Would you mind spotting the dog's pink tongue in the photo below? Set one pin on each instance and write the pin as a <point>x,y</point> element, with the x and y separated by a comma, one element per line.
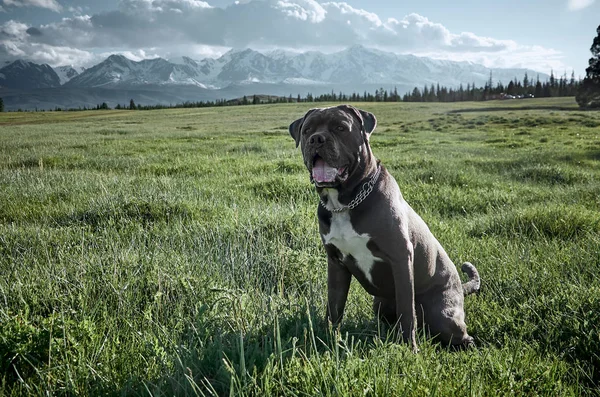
<point>323,172</point>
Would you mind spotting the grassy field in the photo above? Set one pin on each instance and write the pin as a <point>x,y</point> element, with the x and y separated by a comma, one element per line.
<point>176,252</point>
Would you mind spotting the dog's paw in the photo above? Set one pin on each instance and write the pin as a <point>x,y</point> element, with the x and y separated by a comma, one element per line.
<point>467,344</point>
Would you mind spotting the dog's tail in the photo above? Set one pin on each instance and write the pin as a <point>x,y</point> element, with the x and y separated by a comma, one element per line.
<point>474,282</point>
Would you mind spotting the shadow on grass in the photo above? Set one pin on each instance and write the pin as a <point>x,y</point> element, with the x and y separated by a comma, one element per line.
<point>212,361</point>
<point>238,363</point>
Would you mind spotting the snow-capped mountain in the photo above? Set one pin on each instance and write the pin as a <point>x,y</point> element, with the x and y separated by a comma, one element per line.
<point>119,71</point>
<point>66,73</point>
<point>237,73</point>
<point>28,75</point>
<point>352,67</point>
<point>250,66</point>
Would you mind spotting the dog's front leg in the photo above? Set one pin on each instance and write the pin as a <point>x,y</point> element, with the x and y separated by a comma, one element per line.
<point>338,284</point>
<point>404,282</point>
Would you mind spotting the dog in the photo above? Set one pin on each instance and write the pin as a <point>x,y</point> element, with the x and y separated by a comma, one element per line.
<point>370,232</point>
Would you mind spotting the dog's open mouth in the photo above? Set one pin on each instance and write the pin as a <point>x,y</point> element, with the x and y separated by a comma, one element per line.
<point>324,174</point>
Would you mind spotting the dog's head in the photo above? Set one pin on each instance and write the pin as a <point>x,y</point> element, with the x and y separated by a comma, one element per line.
<point>333,142</point>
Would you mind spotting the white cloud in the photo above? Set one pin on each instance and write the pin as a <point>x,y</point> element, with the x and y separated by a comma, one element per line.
<point>305,10</point>
<point>15,44</point>
<point>575,5</point>
<point>49,4</point>
<point>536,58</point>
<point>171,28</point>
<point>13,30</point>
<point>76,10</point>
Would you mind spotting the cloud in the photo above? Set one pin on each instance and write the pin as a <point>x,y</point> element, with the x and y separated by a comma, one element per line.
<point>304,10</point>
<point>536,58</point>
<point>49,4</point>
<point>15,43</point>
<point>283,23</point>
<point>76,10</point>
<point>576,5</point>
<point>195,28</point>
<point>33,32</point>
<point>13,30</point>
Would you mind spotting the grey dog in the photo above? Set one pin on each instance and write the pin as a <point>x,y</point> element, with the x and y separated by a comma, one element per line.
<point>370,232</point>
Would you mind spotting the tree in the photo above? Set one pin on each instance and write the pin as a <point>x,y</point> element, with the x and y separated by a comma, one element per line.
<point>588,95</point>
<point>1,105</point>
<point>416,95</point>
<point>132,105</point>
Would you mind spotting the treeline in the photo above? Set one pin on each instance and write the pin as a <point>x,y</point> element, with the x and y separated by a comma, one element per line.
<point>525,88</point>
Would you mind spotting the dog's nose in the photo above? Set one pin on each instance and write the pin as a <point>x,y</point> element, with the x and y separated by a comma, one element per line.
<point>317,139</point>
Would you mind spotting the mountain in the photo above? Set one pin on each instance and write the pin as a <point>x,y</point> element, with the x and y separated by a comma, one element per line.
<point>66,73</point>
<point>119,71</point>
<point>237,73</point>
<point>249,66</point>
<point>353,67</point>
<point>28,75</point>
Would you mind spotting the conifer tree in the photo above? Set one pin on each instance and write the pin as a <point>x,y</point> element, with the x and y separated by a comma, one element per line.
<point>588,95</point>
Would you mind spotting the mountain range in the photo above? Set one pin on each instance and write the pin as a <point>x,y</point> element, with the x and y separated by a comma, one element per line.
<point>238,72</point>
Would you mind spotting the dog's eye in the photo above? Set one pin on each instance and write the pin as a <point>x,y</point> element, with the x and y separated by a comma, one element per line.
<point>340,128</point>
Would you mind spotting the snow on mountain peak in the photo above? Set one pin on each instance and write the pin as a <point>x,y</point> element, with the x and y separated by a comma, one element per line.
<point>352,66</point>
<point>66,73</point>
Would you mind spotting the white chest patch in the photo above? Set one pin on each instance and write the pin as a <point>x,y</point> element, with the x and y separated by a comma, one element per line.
<point>343,236</point>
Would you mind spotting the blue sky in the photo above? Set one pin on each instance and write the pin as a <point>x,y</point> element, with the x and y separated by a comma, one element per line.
<point>538,34</point>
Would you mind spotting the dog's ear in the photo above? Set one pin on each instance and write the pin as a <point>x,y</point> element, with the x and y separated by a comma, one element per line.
<point>367,119</point>
<point>296,126</point>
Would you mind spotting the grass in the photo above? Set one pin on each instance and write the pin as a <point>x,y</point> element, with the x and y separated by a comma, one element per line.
<point>176,252</point>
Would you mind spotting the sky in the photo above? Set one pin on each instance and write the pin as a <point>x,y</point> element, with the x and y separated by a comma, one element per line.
<point>542,35</point>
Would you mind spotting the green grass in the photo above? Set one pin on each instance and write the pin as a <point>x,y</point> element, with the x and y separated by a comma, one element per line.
<point>176,252</point>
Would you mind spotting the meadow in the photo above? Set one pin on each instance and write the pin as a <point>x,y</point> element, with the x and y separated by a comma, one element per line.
<point>176,252</point>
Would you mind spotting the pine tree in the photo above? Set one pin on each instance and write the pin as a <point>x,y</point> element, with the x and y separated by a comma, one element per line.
<point>1,105</point>
<point>510,90</point>
<point>416,95</point>
<point>132,105</point>
<point>588,94</point>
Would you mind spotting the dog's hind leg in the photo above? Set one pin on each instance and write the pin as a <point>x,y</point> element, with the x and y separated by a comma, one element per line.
<point>444,317</point>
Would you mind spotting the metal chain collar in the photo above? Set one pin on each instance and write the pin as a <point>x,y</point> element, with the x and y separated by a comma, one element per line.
<point>366,189</point>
